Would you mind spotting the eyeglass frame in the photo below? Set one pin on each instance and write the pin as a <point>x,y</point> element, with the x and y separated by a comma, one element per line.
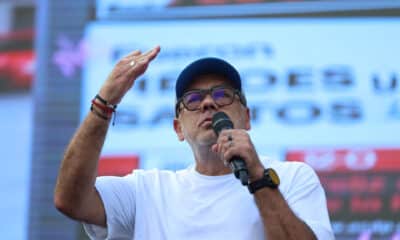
<point>242,98</point>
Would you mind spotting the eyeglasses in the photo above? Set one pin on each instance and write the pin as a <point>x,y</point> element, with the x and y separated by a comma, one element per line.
<point>221,95</point>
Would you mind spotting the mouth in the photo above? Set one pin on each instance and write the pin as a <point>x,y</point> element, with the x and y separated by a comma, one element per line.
<point>207,122</point>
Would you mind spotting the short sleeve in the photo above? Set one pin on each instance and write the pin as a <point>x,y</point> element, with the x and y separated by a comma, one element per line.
<point>118,196</point>
<point>306,198</point>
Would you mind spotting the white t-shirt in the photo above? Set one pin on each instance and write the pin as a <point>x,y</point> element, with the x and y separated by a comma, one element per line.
<point>167,205</point>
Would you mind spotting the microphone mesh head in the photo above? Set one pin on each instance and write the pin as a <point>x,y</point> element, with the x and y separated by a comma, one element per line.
<point>221,121</point>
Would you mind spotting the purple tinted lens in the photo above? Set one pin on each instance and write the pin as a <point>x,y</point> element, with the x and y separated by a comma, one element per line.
<point>217,94</point>
<point>222,96</point>
<point>192,99</point>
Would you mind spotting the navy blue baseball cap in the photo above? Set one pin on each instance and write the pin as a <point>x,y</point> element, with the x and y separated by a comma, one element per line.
<point>203,66</point>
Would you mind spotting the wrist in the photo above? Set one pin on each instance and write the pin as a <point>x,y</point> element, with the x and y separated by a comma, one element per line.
<point>102,108</point>
<point>109,97</point>
<point>99,113</point>
<point>269,180</point>
<point>256,174</point>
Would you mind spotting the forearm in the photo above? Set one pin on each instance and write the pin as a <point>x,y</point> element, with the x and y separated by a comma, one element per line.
<point>279,220</point>
<point>78,169</point>
<point>75,194</point>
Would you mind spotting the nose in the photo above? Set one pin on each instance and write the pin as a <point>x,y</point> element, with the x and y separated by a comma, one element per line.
<point>208,103</point>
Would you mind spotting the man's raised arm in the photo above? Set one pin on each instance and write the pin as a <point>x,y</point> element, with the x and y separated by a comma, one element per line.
<point>75,194</point>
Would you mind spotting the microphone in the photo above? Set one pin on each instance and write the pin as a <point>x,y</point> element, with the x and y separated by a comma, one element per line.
<point>221,121</point>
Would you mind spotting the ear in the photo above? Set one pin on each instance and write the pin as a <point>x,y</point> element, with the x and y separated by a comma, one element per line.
<point>247,119</point>
<point>178,129</point>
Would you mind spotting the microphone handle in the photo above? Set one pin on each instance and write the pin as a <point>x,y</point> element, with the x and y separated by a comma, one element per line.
<point>239,168</point>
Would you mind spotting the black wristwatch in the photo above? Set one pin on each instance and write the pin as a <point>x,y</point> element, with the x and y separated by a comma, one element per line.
<point>270,179</point>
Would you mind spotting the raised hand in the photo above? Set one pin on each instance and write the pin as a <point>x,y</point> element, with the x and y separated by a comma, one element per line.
<point>125,73</point>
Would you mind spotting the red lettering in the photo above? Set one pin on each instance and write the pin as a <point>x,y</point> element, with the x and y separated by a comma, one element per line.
<point>334,204</point>
<point>365,204</point>
<point>210,2</point>
<point>358,184</point>
<point>338,185</point>
<point>395,203</point>
<point>377,184</point>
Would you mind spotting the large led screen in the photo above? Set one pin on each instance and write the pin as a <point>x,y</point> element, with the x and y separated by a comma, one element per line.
<point>322,91</point>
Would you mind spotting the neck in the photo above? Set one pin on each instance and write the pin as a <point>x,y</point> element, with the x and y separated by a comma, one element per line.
<point>208,162</point>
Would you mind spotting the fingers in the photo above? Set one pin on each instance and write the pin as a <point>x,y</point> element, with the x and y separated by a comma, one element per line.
<point>137,55</point>
<point>137,67</point>
<point>232,143</point>
<point>127,62</point>
<point>237,143</point>
<point>131,55</point>
<point>137,63</point>
<point>144,59</point>
<point>151,54</point>
<point>136,52</point>
<point>148,56</point>
<point>224,142</point>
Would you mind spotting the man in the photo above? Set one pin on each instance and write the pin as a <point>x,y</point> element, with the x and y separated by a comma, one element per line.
<point>204,201</point>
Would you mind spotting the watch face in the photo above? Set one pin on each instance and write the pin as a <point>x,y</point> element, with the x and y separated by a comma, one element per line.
<point>274,176</point>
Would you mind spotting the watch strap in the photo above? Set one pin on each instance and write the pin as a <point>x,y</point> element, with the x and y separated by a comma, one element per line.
<point>265,181</point>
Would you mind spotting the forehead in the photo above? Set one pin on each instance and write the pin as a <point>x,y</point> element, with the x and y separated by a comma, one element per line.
<point>208,81</point>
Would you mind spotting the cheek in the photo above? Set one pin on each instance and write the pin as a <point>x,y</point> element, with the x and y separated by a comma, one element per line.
<point>188,126</point>
<point>241,119</point>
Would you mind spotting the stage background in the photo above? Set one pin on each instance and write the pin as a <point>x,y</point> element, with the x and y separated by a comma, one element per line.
<point>323,91</point>
<point>321,77</point>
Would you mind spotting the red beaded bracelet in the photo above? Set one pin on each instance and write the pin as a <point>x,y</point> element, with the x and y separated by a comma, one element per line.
<point>105,102</point>
<point>106,107</point>
<point>97,113</point>
<point>107,110</point>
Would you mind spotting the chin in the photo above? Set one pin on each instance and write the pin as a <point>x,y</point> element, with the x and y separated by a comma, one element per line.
<point>207,138</point>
